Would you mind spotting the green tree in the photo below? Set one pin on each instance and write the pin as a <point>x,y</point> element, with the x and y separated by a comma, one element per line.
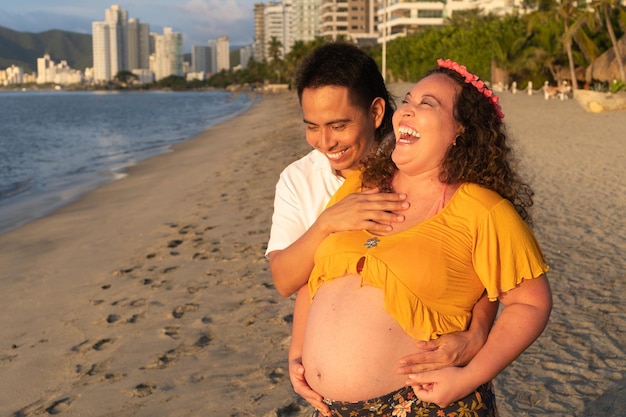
<point>275,49</point>
<point>299,50</point>
<point>573,17</point>
<point>125,78</point>
<point>275,52</point>
<point>173,82</point>
<point>545,49</point>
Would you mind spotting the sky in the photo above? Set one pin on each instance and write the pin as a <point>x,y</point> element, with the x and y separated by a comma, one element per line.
<point>198,20</point>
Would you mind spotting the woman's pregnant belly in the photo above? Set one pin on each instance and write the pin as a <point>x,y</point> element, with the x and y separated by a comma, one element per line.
<point>352,345</point>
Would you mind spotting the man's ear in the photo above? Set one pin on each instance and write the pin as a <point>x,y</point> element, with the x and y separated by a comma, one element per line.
<point>377,110</point>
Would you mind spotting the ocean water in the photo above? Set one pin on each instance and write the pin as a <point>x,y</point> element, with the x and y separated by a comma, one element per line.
<point>55,145</point>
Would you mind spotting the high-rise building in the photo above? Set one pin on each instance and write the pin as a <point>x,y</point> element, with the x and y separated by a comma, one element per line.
<point>361,21</point>
<point>334,19</point>
<point>402,18</point>
<point>245,54</point>
<point>138,35</point>
<point>168,54</point>
<point>306,20</point>
<point>258,51</point>
<point>278,21</point>
<point>221,53</point>
<point>44,65</point>
<point>119,44</point>
<point>201,59</point>
<point>109,51</point>
<point>352,20</point>
<point>273,22</point>
<point>61,73</point>
<point>14,75</point>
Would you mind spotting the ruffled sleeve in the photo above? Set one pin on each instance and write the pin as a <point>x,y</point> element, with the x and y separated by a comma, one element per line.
<point>506,251</point>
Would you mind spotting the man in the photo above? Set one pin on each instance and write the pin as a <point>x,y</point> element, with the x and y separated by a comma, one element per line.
<point>347,112</point>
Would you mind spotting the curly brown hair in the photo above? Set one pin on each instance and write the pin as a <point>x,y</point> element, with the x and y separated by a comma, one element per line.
<point>481,154</point>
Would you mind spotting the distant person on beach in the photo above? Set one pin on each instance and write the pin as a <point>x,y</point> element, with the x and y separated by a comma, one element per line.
<point>467,231</point>
<point>347,111</point>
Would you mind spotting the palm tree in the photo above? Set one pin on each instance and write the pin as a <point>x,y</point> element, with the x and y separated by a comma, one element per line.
<point>275,52</point>
<point>510,43</point>
<point>275,49</point>
<point>574,17</point>
<point>604,7</point>
<point>299,50</point>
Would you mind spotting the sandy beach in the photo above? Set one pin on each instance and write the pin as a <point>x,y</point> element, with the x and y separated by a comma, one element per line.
<point>151,296</point>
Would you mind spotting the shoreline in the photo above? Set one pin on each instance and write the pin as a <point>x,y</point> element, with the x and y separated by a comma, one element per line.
<point>22,201</point>
<point>151,295</point>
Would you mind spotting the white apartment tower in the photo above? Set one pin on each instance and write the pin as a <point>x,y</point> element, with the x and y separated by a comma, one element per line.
<point>278,24</point>
<point>306,19</point>
<point>118,44</point>
<point>353,20</point>
<point>273,20</point>
<point>168,54</point>
<point>334,19</point>
<point>402,18</point>
<point>44,66</point>
<point>220,53</point>
<point>288,21</point>
<point>109,52</point>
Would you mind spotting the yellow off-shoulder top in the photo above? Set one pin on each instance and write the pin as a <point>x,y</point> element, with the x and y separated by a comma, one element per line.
<point>433,274</point>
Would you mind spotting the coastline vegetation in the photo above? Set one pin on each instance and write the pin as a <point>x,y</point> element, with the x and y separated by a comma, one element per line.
<point>556,42</point>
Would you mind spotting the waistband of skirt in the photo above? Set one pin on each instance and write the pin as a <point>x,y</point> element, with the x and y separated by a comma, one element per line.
<point>373,403</point>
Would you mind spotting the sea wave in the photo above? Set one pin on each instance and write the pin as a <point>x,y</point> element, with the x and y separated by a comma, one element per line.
<point>15,188</point>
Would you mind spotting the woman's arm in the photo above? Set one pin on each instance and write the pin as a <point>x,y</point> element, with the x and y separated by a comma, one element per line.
<point>524,317</point>
<point>296,370</point>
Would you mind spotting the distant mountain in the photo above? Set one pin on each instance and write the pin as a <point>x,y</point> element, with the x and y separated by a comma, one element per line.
<point>23,48</point>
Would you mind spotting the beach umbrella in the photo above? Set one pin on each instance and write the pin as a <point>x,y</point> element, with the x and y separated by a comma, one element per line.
<point>563,73</point>
<point>605,68</point>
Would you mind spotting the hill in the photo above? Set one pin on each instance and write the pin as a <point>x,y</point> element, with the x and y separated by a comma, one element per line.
<point>23,48</point>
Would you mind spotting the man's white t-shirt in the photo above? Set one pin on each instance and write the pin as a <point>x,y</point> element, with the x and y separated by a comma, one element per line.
<point>302,192</point>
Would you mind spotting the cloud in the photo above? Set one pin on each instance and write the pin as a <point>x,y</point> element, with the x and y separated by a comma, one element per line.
<point>210,19</point>
<point>223,11</point>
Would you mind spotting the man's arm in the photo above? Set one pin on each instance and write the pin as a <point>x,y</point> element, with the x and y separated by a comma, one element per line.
<point>525,315</point>
<point>453,349</point>
<point>290,267</point>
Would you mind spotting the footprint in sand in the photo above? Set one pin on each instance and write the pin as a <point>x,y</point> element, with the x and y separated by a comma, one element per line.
<point>171,331</point>
<point>143,390</point>
<point>46,407</point>
<point>168,358</point>
<point>180,311</point>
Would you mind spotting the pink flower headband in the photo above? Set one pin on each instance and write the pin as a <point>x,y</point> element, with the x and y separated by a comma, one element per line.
<point>473,80</point>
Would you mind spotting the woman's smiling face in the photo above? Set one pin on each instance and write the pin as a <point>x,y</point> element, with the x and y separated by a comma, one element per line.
<point>425,126</point>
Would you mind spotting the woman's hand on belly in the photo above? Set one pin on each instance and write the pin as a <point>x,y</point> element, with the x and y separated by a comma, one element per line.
<point>352,345</point>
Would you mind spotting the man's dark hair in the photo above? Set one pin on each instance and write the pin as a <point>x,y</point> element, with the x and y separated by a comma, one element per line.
<point>345,65</point>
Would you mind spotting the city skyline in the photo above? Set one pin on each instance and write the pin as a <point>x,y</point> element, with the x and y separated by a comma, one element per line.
<point>198,20</point>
